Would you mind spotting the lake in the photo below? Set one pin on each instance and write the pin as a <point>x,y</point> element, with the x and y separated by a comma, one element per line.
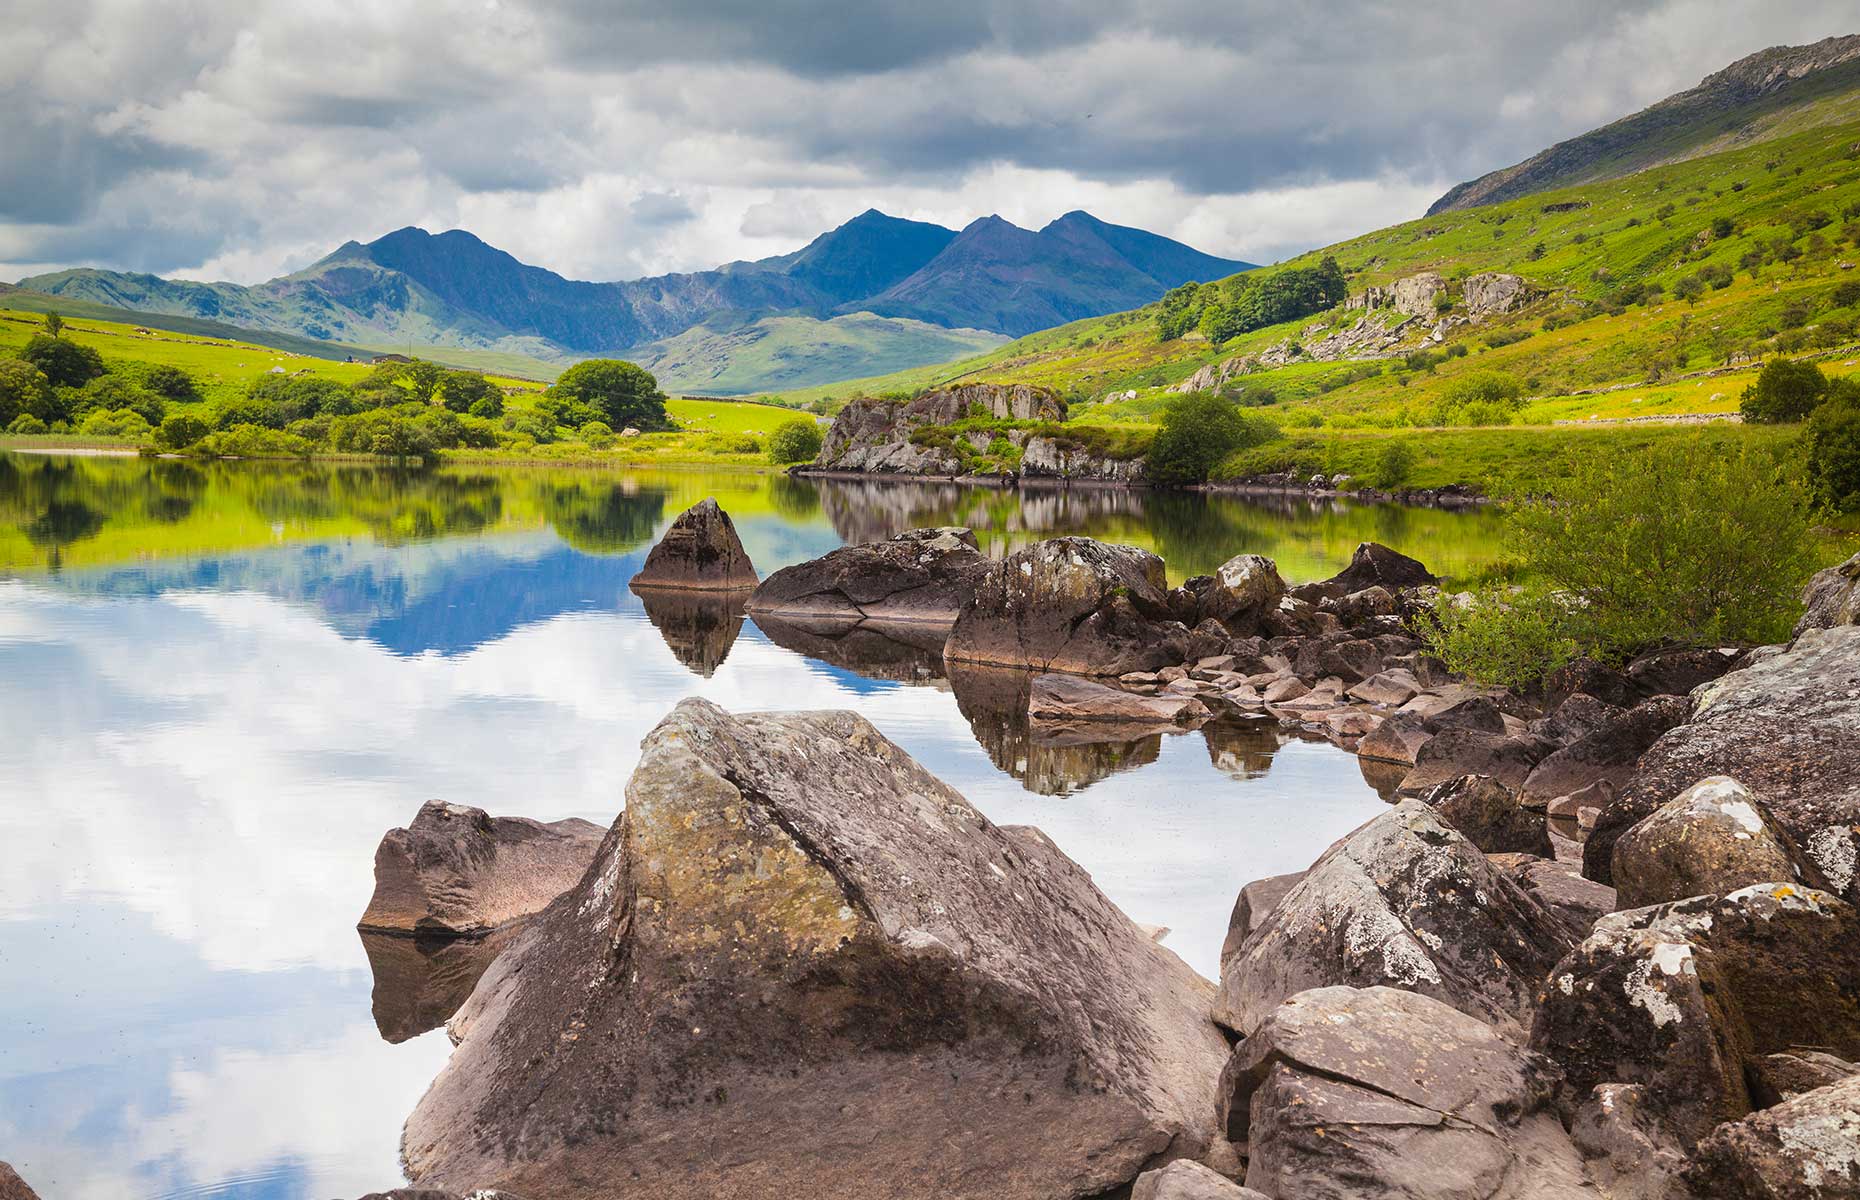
<point>224,682</point>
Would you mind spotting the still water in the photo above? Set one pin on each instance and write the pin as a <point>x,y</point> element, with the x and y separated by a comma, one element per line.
<point>219,685</point>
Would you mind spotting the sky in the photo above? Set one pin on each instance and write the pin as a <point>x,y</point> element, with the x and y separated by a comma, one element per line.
<point>609,139</point>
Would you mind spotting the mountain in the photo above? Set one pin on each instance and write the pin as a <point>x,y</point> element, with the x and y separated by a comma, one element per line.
<point>727,355</point>
<point>1768,94</point>
<point>417,290</point>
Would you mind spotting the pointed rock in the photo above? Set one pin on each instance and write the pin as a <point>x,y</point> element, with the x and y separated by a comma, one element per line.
<point>700,552</point>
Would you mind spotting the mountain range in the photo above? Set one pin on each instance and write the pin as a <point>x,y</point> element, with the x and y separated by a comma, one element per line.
<point>932,294</point>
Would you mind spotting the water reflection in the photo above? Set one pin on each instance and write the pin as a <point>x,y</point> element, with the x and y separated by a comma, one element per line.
<point>224,682</point>
<point>698,628</point>
<point>420,982</point>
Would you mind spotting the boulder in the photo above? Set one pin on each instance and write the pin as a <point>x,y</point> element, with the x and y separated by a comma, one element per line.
<point>1806,1148</point>
<point>1381,1094</point>
<point>1683,998</point>
<point>1559,887</point>
<point>872,435</point>
<point>1628,1153</point>
<point>1352,660</point>
<point>1575,718</point>
<point>1391,689</point>
<point>1587,675</point>
<point>1398,739</point>
<point>1489,815</point>
<point>1714,837</point>
<point>1677,672</point>
<point>1414,295</point>
<point>1375,565</point>
<point>1245,588</point>
<point>1358,608</point>
<point>1831,598</point>
<point>1605,755</point>
<point>12,1187</point>
<point>700,552</point>
<point>1054,458</point>
<point>1404,901</point>
<point>1076,605</point>
<point>1474,712</point>
<point>1255,903</point>
<point>1786,727</point>
<point>1494,293</point>
<point>803,966</point>
<point>1454,752</point>
<point>1777,1077</point>
<point>1186,1180</point>
<point>1073,698</point>
<point>459,872</point>
<point>921,575</point>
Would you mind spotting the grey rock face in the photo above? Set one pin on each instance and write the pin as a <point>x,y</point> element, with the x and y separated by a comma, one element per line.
<point>1832,598</point>
<point>1251,908</point>
<point>1714,837</point>
<point>1049,458</point>
<point>921,575</point>
<point>1455,752</point>
<point>1405,901</point>
<point>1489,815</point>
<point>1605,755</point>
<point>1682,998</point>
<point>1628,1153</point>
<point>1381,1094</point>
<point>1560,887</point>
<point>1494,293</point>
<point>801,965</point>
<point>1787,728</point>
<point>874,435</point>
<point>700,552</point>
<point>1806,1148</point>
<point>1414,295</point>
<point>459,872</point>
<point>1075,605</point>
<point>1245,588</point>
<point>1185,1180</point>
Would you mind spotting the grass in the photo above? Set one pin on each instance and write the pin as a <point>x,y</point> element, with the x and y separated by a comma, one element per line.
<point>726,356</point>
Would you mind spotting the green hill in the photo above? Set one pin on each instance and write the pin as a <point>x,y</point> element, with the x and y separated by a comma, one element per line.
<point>733,356</point>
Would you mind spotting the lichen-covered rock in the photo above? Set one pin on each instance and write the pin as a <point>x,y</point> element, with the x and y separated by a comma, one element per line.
<point>1454,752</point>
<point>1351,659</point>
<point>1186,1180</point>
<point>1559,887</point>
<point>1629,1155</point>
<point>921,575</point>
<point>1050,458</point>
<point>1490,816</point>
<point>1494,293</point>
<point>1414,295</point>
<point>803,966</point>
<point>12,1187</point>
<point>1075,605</point>
<point>1245,588</point>
<point>1579,715</point>
<point>1777,1077</point>
<point>1786,727</point>
<point>700,552</point>
<point>1404,901</point>
<point>1831,598</point>
<point>1251,908</point>
<point>1680,998</point>
<point>1806,1148</point>
<point>1605,755</point>
<point>1714,837</point>
<point>459,872</point>
<point>1380,1094</point>
<point>873,436</point>
<point>1375,565</point>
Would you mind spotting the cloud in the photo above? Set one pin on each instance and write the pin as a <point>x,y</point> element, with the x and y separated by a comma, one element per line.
<point>608,140</point>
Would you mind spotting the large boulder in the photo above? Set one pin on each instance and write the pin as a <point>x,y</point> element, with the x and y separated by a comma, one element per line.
<point>1414,295</point>
<point>1786,727</point>
<point>1714,837</point>
<point>1375,565</point>
<point>1245,589</point>
<point>1076,605</point>
<point>921,575</point>
<point>801,965</point>
<point>1607,754</point>
<point>1806,1148</point>
<point>700,552</point>
<point>1678,672</point>
<point>1559,887</point>
<point>1251,908</point>
<point>1494,293</point>
<point>1185,1179</point>
<point>1831,598</point>
<point>1684,998</point>
<point>12,1187</point>
<point>1404,901</point>
<point>1490,816</point>
<point>459,872</point>
<point>874,436</point>
<point>1454,752</point>
<point>1381,1094</point>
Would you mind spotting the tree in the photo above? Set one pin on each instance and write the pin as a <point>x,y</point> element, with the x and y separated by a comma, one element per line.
<point>1394,464</point>
<point>1785,391</point>
<point>795,441</point>
<point>113,393</point>
<point>181,431</point>
<point>461,390</point>
<point>423,379</point>
<point>1197,431</point>
<point>65,364</point>
<point>1832,444</point>
<point>621,393</point>
<point>23,389</point>
<point>53,323</point>
<point>171,383</point>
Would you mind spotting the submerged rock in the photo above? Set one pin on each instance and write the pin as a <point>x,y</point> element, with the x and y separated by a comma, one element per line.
<point>1404,901</point>
<point>921,575</point>
<point>1381,1094</point>
<point>699,552</point>
<point>1075,605</point>
<point>1712,838</point>
<point>905,652</point>
<point>801,965</point>
<point>459,872</point>
<point>1806,1148</point>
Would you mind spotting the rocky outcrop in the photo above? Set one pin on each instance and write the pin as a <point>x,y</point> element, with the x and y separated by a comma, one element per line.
<point>1052,458</point>
<point>1494,293</point>
<point>920,576</point>
<point>12,1187</point>
<point>801,965</point>
<point>459,872</point>
<point>1375,565</point>
<point>1831,598</point>
<point>874,435</point>
<point>699,553</point>
<point>1806,1148</point>
<point>1074,605</point>
<point>1683,998</point>
<point>1714,837</point>
<point>1414,295</point>
<point>1607,754</point>
<point>1186,1180</point>
<point>1405,901</point>
<point>1073,699</point>
<point>1490,816</point>
<point>1380,1094</point>
<point>1788,728</point>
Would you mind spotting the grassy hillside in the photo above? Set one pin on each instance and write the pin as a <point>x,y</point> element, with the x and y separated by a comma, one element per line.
<point>1773,224</point>
<point>735,357</point>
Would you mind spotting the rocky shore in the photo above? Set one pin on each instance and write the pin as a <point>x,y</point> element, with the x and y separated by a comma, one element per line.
<point>1602,944</point>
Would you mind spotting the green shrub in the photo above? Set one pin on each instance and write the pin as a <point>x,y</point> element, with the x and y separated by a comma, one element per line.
<point>597,434</point>
<point>380,432</point>
<point>122,423</point>
<point>64,362</point>
<point>1784,391</point>
<point>251,441</point>
<point>1499,637</point>
<point>488,408</point>
<point>1832,443</point>
<point>795,441</point>
<point>108,393</point>
<point>180,431</point>
<point>1394,465</point>
<point>171,383</point>
<point>26,424</point>
<point>1196,432</point>
<point>461,391</point>
<point>23,389</point>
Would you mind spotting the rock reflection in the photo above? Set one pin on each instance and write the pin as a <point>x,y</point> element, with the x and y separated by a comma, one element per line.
<point>421,982</point>
<point>1048,761</point>
<point>901,653</point>
<point>699,627</point>
<point>1382,776</point>
<point>1243,749</point>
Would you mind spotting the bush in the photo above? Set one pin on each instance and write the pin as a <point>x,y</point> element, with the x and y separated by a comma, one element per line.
<point>1394,465</point>
<point>620,393</point>
<point>1832,443</point>
<point>1499,637</point>
<point>171,383</point>
<point>379,432</point>
<point>488,408</point>
<point>462,390</point>
<point>64,362</point>
<point>181,431</point>
<point>1846,294</point>
<point>1479,398</point>
<point>25,424</point>
<point>120,423</point>
<point>1784,391</point>
<point>1690,544</point>
<point>1196,432</point>
<point>795,441</point>
<point>597,434</point>
<point>251,441</point>
<point>108,393</point>
<point>23,389</point>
